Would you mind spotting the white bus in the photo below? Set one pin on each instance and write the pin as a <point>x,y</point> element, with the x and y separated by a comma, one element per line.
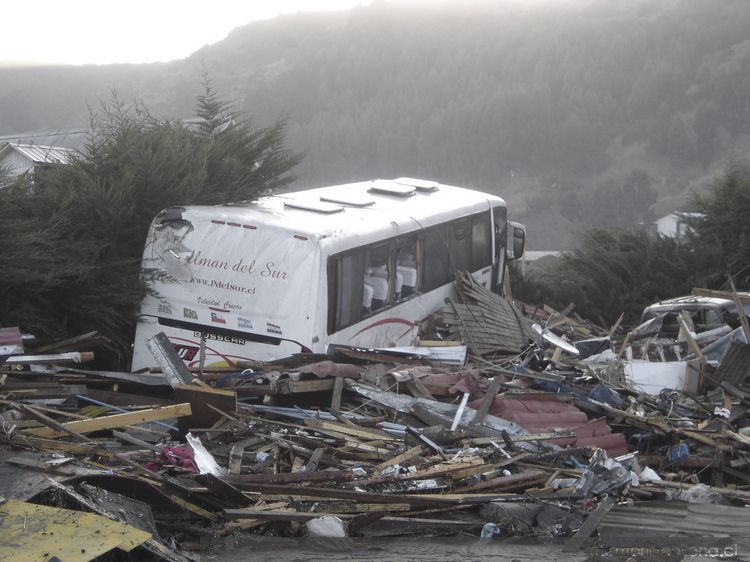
<point>361,264</point>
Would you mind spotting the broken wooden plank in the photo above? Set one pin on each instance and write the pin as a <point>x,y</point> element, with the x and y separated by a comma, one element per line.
<point>123,436</point>
<point>288,386</point>
<point>204,404</point>
<point>71,344</point>
<point>196,509</point>
<point>293,490</point>
<point>303,517</point>
<point>338,387</point>
<point>52,426</point>
<point>452,470</point>
<point>224,489</point>
<point>291,477</point>
<point>355,507</point>
<point>114,421</point>
<point>512,482</point>
<point>684,320</point>
<point>404,457</point>
<point>589,526</point>
<point>489,396</point>
<point>354,430</point>
<point>701,292</point>
<point>235,458</point>
<point>81,448</point>
<point>312,464</point>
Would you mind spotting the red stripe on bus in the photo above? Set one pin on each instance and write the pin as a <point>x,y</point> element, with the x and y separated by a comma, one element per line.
<point>386,321</point>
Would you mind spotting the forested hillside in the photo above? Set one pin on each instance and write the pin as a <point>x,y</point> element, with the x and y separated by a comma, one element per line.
<point>598,113</point>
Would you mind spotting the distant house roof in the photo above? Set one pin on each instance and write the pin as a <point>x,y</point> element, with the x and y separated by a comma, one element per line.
<point>19,159</point>
<point>38,153</point>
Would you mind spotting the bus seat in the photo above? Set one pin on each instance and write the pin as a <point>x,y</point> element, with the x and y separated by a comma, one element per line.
<point>399,284</point>
<point>409,276</point>
<point>379,290</point>
<point>378,271</point>
<point>367,299</point>
<point>406,259</point>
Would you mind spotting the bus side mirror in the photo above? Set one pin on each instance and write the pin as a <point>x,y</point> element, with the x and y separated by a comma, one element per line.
<point>516,240</point>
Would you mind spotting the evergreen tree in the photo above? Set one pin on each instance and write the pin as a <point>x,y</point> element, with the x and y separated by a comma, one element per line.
<point>725,225</point>
<point>73,238</point>
<point>615,271</point>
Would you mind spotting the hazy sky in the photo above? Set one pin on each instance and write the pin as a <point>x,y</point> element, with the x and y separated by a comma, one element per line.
<point>135,31</point>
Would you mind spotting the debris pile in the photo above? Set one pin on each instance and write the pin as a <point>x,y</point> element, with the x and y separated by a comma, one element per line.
<point>459,436</point>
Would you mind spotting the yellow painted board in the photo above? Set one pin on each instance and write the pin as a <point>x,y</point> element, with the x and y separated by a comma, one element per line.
<point>30,533</point>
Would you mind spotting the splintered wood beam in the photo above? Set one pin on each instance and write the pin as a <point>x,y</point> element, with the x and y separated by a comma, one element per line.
<point>521,480</point>
<point>684,319</point>
<point>114,421</point>
<point>355,430</point>
<point>589,526</point>
<point>453,471</point>
<point>312,464</point>
<point>489,396</point>
<point>291,477</point>
<point>224,489</point>
<point>338,387</point>
<point>402,458</point>
<point>208,405</point>
<point>91,448</point>
<point>294,490</point>
<point>50,424</point>
<point>700,292</point>
<point>616,325</point>
<point>235,458</point>
<point>196,509</point>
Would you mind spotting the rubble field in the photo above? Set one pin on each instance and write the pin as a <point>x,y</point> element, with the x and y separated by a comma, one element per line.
<point>509,432</point>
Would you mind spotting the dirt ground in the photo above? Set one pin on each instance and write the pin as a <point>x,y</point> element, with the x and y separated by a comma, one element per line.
<point>445,549</point>
<point>416,549</point>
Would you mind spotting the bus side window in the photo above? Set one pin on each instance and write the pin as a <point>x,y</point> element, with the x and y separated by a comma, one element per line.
<point>461,245</point>
<point>351,296</point>
<point>481,242</point>
<point>377,275</point>
<point>406,268</point>
<point>436,262</point>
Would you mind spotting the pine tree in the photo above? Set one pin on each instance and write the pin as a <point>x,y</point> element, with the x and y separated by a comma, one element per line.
<point>72,239</point>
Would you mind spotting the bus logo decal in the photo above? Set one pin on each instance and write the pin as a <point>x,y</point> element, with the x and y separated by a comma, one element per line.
<point>186,352</point>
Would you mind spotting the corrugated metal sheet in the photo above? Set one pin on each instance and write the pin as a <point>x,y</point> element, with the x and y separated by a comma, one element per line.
<point>483,320</point>
<point>674,519</point>
<point>41,154</point>
<point>735,366</point>
<point>539,413</point>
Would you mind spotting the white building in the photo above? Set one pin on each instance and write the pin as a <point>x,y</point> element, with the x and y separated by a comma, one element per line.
<point>19,158</point>
<point>676,224</point>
